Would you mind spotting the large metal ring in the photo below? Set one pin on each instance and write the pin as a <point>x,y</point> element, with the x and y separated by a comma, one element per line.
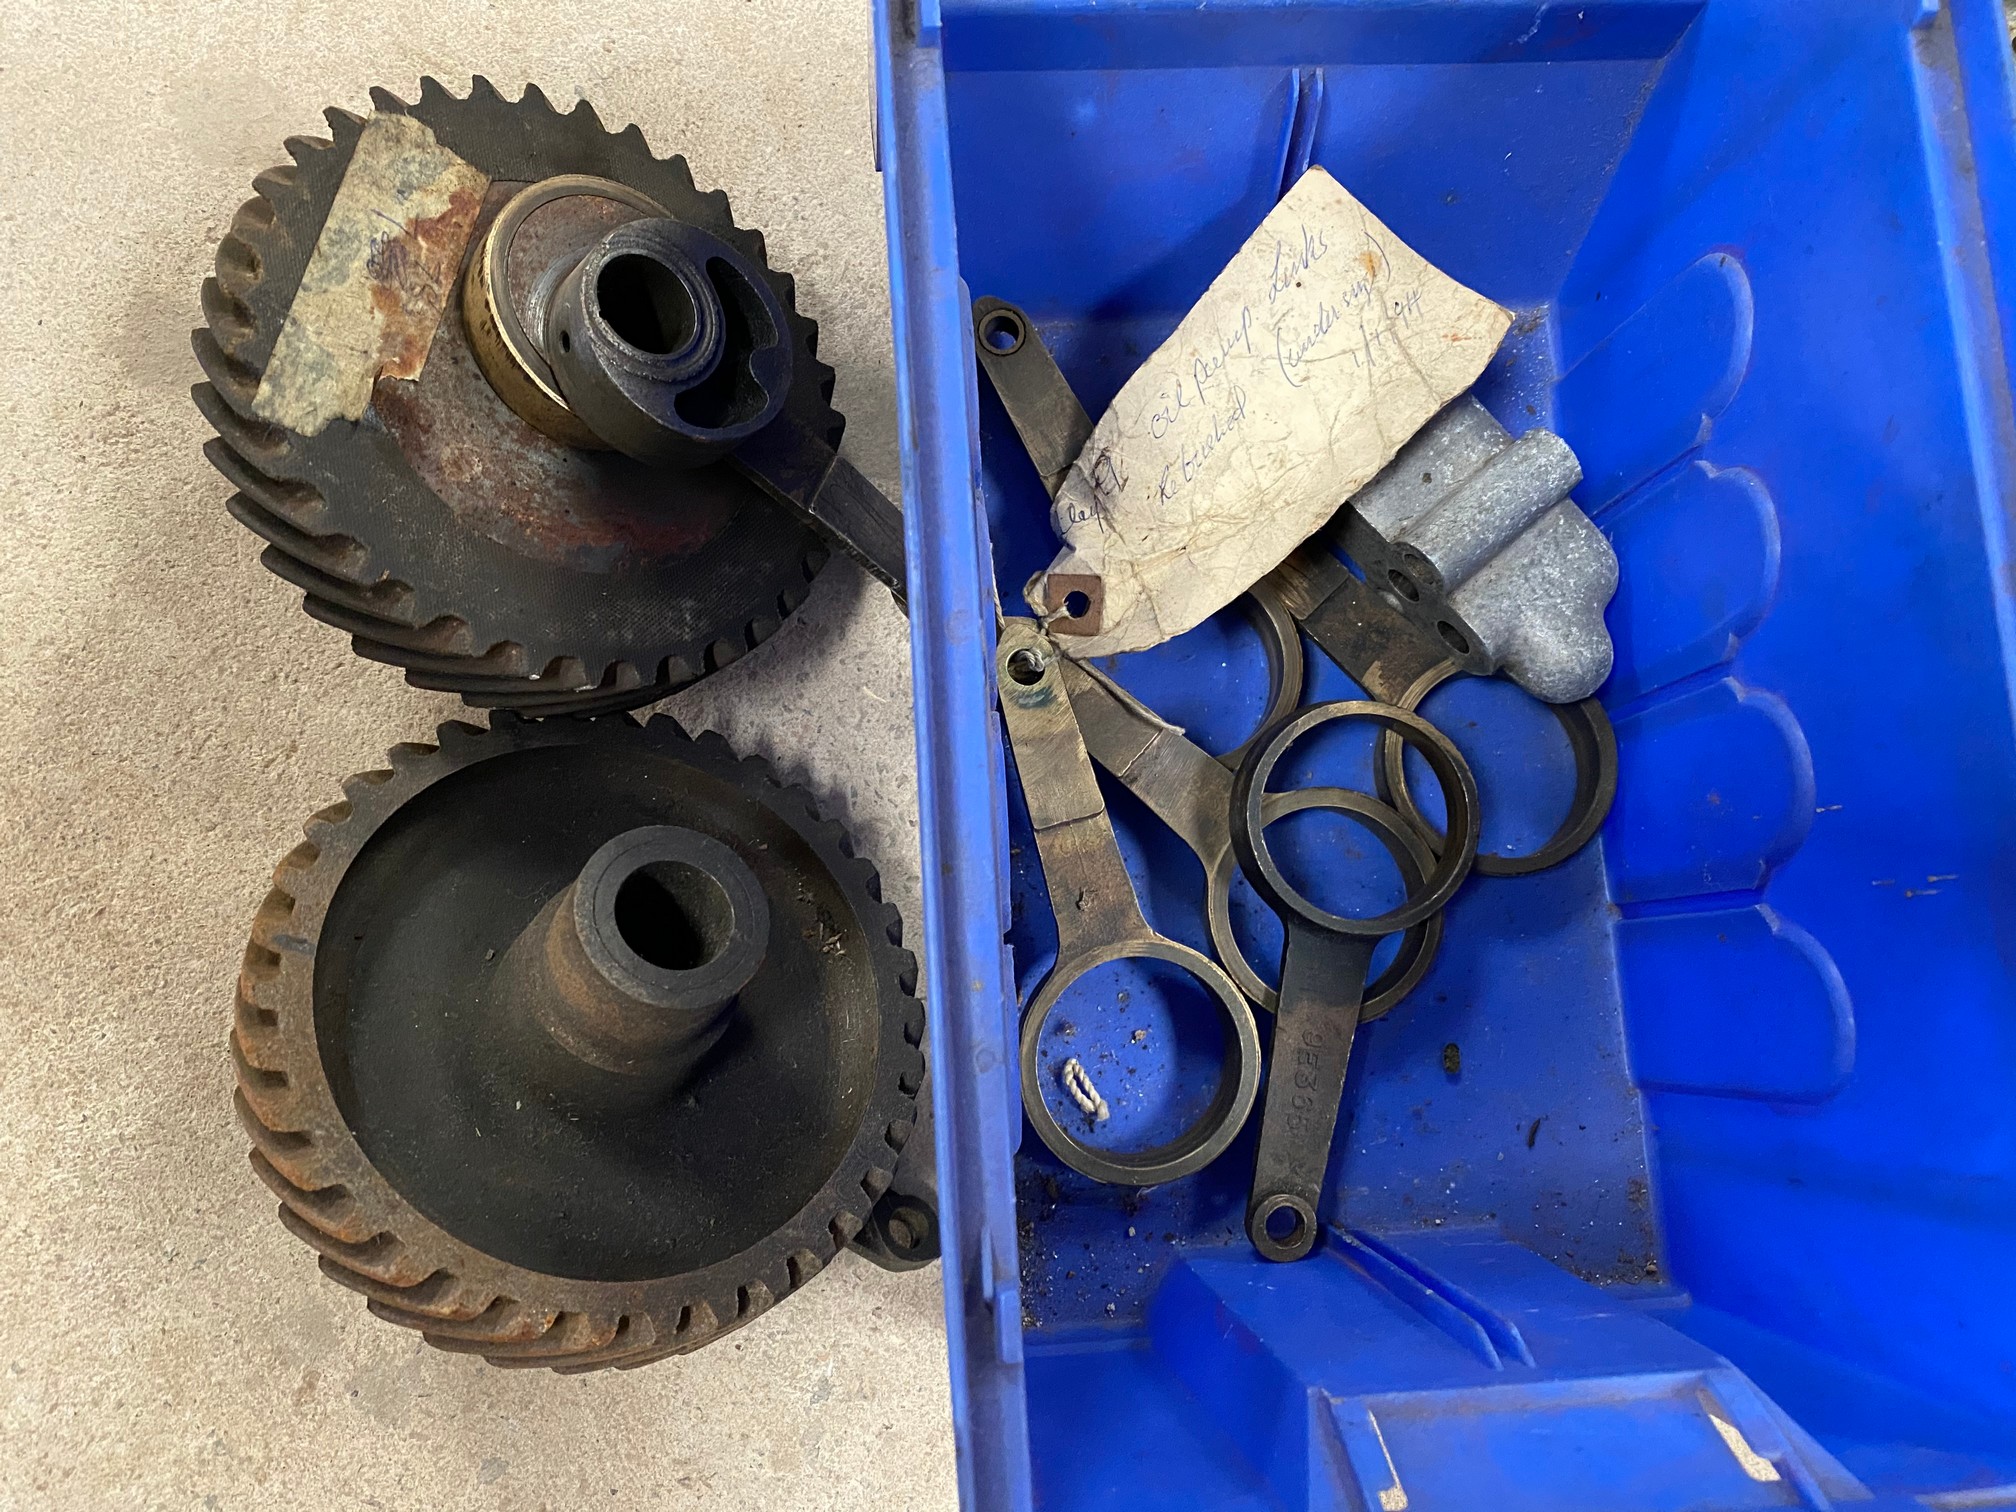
<point>1410,853</point>
<point>1589,736</point>
<point>1249,825</point>
<point>1206,1138</point>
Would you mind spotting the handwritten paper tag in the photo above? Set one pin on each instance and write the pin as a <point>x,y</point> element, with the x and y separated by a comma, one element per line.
<point>1320,349</point>
<point>379,278</point>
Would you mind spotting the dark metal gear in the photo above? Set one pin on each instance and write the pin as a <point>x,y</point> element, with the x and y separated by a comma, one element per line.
<point>466,1039</point>
<point>446,534</point>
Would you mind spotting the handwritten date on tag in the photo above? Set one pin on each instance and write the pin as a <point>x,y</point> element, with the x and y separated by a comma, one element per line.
<point>1320,349</point>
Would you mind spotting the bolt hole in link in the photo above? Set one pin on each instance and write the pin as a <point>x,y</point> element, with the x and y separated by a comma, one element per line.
<point>1286,1229</point>
<point>1077,603</point>
<point>1403,585</point>
<point>1453,638</point>
<point>1003,332</point>
<point>1027,667</point>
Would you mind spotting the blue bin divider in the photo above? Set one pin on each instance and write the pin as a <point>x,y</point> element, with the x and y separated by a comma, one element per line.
<point>1718,1208</point>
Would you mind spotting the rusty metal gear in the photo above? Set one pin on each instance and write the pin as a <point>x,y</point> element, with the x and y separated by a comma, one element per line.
<point>420,1135</point>
<point>447,535</point>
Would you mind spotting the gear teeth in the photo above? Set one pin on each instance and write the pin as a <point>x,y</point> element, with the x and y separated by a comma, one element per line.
<point>358,789</point>
<point>233,382</point>
<point>574,1333</point>
<point>238,261</point>
<point>334,556</point>
<point>535,97</point>
<point>385,605</point>
<point>480,90</point>
<point>332,817</point>
<point>439,1296</point>
<point>678,165</point>
<point>410,756</point>
<point>302,148</point>
<point>457,735</point>
<point>504,1321</point>
<point>631,1351</point>
<point>383,1257</point>
<point>263,445</point>
<point>279,182</point>
<point>299,505</point>
<point>446,638</point>
<point>344,126</point>
<point>499,666</point>
<point>293,1155</point>
<point>229,319</point>
<point>330,1210</point>
<point>635,1335</point>
<point>255,1047</point>
<point>383,99</point>
<point>265,1091</point>
<point>584,114</point>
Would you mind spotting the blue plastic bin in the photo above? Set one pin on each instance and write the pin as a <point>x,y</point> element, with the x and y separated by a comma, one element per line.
<point>1719,1209</point>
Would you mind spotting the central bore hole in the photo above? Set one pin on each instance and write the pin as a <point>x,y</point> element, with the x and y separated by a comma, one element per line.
<point>674,915</point>
<point>645,303</point>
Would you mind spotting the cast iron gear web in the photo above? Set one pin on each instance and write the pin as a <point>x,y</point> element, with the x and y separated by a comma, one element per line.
<point>473,1174</point>
<point>446,534</point>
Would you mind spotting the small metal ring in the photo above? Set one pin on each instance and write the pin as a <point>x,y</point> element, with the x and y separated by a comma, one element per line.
<point>1286,667</point>
<point>1590,737</point>
<point>1459,788</point>
<point>1205,1140</point>
<point>1410,853</point>
<point>1297,1242</point>
<point>1006,318</point>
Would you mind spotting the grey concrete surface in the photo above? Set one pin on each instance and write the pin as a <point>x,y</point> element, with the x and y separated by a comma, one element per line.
<point>174,718</point>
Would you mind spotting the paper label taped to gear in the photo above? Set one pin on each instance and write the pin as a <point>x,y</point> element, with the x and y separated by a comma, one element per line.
<point>378,279</point>
<point>1320,349</point>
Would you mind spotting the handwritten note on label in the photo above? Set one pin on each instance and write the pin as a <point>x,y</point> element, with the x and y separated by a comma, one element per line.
<point>1320,349</point>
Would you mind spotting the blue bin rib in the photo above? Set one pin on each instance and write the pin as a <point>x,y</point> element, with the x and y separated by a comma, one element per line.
<point>1720,1208</point>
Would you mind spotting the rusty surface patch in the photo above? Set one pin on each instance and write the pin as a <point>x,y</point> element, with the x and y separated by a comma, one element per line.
<point>372,295</point>
<point>505,479</point>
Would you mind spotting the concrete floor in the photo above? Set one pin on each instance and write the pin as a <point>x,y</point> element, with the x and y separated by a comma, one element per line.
<point>163,1344</point>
